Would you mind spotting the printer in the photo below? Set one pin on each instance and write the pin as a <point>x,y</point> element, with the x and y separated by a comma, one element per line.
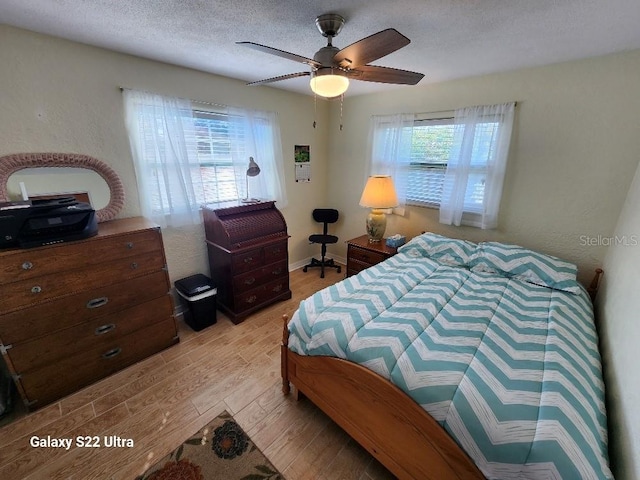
<point>45,222</point>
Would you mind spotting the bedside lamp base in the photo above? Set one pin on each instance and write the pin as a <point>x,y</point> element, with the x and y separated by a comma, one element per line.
<point>376,225</point>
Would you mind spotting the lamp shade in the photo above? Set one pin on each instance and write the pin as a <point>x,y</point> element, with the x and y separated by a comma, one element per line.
<point>253,169</point>
<point>379,192</point>
<point>329,83</point>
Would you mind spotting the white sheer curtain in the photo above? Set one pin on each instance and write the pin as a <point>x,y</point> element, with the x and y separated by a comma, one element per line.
<point>390,151</point>
<point>475,171</point>
<point>163,145</point>
<point>256,134</point>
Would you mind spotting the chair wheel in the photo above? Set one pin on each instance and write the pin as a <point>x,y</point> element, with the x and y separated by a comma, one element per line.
<point>339,269</point>
<point>322,275</point>
<point>304,269</point>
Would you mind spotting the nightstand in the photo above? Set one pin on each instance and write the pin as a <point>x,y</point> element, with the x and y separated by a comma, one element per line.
<point>361,254</point>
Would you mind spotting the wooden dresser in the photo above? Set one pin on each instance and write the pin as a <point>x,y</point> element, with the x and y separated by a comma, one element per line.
<point>362,254</point>
<point>248,256</point>
<point>75,312</point>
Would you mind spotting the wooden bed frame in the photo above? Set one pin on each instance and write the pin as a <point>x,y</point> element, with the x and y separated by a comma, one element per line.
<point>377,414</point>
<point>388,423</point>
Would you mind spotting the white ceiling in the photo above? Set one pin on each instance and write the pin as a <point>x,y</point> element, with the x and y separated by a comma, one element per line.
<point>449,38</point>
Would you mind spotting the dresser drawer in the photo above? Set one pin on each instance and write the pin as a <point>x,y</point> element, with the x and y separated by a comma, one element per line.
<point>32,263</point>
<point>74,372</point>
<point>365,256</point>
<point>98,333</point>
<point>66,312</point>
<point>249,280</point>
<point>28,292</point>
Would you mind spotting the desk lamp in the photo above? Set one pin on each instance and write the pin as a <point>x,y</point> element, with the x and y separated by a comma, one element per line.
<point>252,171</point>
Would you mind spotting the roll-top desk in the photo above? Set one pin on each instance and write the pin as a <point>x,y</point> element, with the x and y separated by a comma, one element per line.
<point>73,313</point>
<point>248,256</point>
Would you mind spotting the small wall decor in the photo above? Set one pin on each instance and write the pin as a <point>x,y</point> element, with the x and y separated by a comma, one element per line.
<point>10,164</point>
<point>302,159</point>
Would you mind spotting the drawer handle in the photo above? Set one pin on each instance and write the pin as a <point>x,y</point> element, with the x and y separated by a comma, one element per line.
<point>251,299</point>
<point>248,260</point>
<point>36,289</point>
<point>277,288</point>
<point>129,245</point>
<point>276,272</point>
<point>250,281</point>
<point>97,302</point>
<point>134,265</point>
<point>111,353</point>
<point>101,330</point>
<point>27,266</point>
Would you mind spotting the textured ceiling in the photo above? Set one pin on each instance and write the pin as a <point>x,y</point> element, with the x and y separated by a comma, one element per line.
<point>449,38</point>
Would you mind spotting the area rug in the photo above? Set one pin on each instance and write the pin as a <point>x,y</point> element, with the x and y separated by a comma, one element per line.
<point>221,450</point>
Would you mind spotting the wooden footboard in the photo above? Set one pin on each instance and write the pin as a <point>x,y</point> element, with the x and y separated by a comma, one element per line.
<point>378,415</point>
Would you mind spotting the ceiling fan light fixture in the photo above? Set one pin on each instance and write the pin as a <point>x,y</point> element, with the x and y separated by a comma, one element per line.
<point>329,82</point>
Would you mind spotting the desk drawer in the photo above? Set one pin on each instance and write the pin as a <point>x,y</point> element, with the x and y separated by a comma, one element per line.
<point>32,263</point>
<point>254,278</point>
<point>97,333</point>
<point>37,290</point>
<point>243,262</point>
<point>275,252</point>
<point>256,297</point>
<point>74,372</point>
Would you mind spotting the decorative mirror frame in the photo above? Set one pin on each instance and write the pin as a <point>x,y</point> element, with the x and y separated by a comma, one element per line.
<point>10,164</point>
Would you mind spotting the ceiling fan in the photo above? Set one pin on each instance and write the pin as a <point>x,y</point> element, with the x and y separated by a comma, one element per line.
<point>331,68</point>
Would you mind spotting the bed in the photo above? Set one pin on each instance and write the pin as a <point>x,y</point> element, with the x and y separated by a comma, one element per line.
<point>458,360</point>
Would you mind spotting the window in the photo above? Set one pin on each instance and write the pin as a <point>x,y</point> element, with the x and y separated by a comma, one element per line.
<point>432,143</point>
<point>186,156</point>
<point>456,163</point>
<point>214,156</point>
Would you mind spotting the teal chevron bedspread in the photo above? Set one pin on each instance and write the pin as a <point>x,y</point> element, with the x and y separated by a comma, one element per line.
<point>509,369</point>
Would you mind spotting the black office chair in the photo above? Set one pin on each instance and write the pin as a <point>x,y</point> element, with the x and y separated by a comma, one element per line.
<point>325,216</point>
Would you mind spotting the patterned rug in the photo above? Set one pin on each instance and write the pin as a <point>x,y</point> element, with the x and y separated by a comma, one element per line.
<point>221,450</point>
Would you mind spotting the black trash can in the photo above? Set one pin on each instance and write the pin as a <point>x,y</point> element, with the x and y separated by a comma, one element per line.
<point>198,293</point>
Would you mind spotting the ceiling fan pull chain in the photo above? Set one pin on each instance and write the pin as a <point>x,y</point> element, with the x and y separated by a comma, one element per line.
<point>315,108</point>
<point>341,102</point>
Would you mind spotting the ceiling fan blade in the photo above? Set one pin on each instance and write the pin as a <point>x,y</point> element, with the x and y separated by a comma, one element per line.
<point>280,53</point>
<point>281,77</point>
<point>372,73</point>
<point>371,48</point>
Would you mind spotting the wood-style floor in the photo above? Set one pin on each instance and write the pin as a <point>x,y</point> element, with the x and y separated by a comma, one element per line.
<point>159,402</point>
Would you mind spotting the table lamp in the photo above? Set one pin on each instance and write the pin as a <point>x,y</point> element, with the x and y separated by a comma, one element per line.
<point>379,194</point>
<point>252,171</point>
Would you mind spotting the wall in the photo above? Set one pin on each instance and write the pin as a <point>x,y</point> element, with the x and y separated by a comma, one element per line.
<point>574,150</point>
<point>617,306</point>
<point>60,96</point>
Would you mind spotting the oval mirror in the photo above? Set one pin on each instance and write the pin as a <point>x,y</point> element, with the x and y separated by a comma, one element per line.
<point>76,175</point>
<point>44,182</point>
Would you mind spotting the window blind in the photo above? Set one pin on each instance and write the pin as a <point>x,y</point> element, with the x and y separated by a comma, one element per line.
<point>431,143</point>
<point>213,140</point>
